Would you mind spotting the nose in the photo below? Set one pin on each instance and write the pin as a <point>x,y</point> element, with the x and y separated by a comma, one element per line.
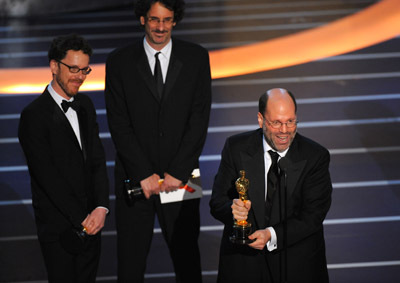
<point>283,128</point>
<point>81,75</point>
<point>160,25</point>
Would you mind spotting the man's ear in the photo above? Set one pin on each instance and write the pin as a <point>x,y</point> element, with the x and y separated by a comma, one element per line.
<point>260,119</point>
<point>53,67</point>
<point>142,20</point>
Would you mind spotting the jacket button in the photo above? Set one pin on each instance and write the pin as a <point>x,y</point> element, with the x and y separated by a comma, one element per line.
<point>161,134</point>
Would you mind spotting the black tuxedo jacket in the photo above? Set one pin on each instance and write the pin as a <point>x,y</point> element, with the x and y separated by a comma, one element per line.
<point>153,136</point>
<point>67,182</point>
<point>309,197</point>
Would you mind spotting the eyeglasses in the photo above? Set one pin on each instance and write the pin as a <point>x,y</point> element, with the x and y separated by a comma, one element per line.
<point>75,69</point>
<point>155,20</point>
<point>279,124</point>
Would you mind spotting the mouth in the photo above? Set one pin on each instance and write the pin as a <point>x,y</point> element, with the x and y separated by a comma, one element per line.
<point>76,84</point>
<point>159,33</point>
<point>77,81</point>
<point>282,139</point>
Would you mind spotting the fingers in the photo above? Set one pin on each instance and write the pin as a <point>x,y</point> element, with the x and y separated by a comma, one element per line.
<point>86,221</point>
<point>257,244</point>
<point>247,204</point>
<point>240,209</point>
<point>150,185</point>
<point>170,183</point>
<point>147,192</point>
<point>95,221</point>
<point>261,238</point>
<point>153,185</point>
<point>240,203</point>
<point>91,228</point>
<point>94,227</point>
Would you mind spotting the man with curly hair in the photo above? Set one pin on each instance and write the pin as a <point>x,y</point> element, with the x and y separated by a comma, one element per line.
<point>158,98</point>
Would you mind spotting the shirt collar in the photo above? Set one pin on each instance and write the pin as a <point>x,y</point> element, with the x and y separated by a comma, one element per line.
<point>57,98</point>
<point>267,147</point>
<point>150,51</point>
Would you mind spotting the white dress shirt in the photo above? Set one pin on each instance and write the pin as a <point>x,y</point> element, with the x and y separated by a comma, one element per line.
<point>163,57</point>
<point>71,114</point>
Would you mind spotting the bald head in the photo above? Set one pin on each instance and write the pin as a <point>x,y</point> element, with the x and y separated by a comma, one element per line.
<point>277,118</point>
<point>276,95</point>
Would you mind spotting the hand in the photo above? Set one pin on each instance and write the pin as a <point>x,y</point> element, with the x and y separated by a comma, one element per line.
<point>240,209</point>
<point>94,222</point>
<point>150,185</point>
<point>262,237</point>
<point>170,183</point>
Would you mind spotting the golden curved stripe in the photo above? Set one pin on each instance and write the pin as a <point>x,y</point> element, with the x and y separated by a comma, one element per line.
<point>375,24</point>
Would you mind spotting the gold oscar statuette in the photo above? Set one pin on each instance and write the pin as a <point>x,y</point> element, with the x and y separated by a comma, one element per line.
<point>242,228</point>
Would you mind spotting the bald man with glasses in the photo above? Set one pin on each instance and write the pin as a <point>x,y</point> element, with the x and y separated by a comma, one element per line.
<point>289,196</point>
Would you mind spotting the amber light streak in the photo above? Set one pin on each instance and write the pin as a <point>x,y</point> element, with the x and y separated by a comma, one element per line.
<point>34,80</point>
<point>377,23</point>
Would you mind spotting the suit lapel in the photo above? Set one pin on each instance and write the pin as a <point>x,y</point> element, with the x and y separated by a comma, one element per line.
<point>83,130</point>
<point>174,68</point>
<point>143,69</point>
<point>253,163</point>
<point>61,121</point>
<point>295,167</point>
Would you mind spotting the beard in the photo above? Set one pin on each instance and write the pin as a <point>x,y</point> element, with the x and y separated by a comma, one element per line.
<point>70,92</point>
<point>269,139</point>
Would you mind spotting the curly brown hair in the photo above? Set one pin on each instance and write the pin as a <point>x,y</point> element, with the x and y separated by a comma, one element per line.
<point>143,6</point>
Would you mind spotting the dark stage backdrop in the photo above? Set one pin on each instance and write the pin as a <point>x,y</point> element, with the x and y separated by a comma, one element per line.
<point>348,103</point>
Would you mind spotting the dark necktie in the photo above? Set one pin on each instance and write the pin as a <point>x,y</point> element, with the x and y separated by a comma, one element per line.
<point>74,105</point>
<point>158,76</point>
<point>273,176</point>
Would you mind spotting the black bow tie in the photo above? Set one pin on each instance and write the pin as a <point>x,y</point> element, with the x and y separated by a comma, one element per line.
<point>74,105</point>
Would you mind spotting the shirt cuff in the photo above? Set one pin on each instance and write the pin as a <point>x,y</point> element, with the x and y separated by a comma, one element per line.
<point>104,208</point>
<point>272,244</point>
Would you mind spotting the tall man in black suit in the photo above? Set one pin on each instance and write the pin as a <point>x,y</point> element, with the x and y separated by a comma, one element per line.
<point>59,135</point>
<point>158,120</point>
<point>308,199</point>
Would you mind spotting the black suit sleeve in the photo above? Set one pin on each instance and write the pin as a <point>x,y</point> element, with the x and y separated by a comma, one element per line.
<point>224,191</point>
<point>98,171</point>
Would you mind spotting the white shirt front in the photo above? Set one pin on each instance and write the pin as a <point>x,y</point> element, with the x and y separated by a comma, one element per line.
<point>71,114</point>
<point>163,57</point>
